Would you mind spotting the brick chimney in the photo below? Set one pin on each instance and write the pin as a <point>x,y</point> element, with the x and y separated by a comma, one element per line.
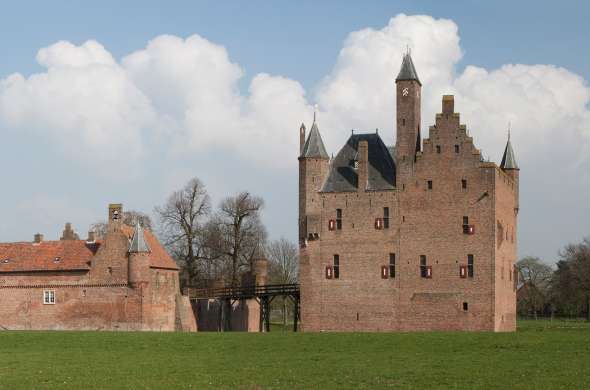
<point>38,238</point>
<point>69,233</point>
<point>448,104</point>
<point>91,237</point>
<point>363,165</point>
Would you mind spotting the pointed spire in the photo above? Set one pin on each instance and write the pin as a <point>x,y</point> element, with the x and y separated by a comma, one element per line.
<point>138,242</point>
<point>508,159</point>
<point>408,71</point>
<point>314,146</point>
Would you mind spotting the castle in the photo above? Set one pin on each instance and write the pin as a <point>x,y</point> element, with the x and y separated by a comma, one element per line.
<point>123,281</point>
<point>421,236</point>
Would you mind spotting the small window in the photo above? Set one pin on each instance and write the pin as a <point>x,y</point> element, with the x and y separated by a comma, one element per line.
<point>49,297</point>
<point>385,217</point>
<point>403,121</point>
<point>423,267</point>
<point>464,184</point>
<point>429,183</point>
<point>338,219</point>
<point>438,149</point>
<point>336,267</point>
<point>392,265</point>
<point>470,266</point>
<point>465,306</point>
<point>465,220</point>
<point>456,148</point>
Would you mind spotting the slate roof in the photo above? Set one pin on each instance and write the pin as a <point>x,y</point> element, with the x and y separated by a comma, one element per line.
<point>508,159</point>
<point>138,243</point>
<point>343,176</point>
<point>408,71</point>
<point>71,255</point>
<point>314,146</point>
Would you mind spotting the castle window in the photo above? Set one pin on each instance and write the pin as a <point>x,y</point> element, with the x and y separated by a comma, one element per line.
<point>429,184</point>
<point>456,148</point>
<point>470,266</point>
<point>336,267</point>
<point>438,149</point>
<point>49,297</point>
<point>338,219</point>
<point>425,270</point>
<point>465,306</point>
<point>464,184</point>
<point>465,220</point>
<point>385,217</point>
<point>110,270</point>
<point>403,121</point>
<point>392,265</point>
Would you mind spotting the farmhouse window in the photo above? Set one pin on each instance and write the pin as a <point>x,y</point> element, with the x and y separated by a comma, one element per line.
<point>470,266</point>
<point>336,266</point>
<point>385,217</point>
<point>49,297</point>
<point>392,265</point>
<point>338,219</point>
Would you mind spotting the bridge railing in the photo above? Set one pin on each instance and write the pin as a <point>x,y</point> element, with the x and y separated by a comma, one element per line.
<point>242,292</point>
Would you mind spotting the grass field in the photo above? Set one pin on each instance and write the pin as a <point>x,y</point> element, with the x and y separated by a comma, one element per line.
<point>541,355</point>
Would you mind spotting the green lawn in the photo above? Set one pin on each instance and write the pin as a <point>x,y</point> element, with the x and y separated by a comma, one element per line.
<point>541,355</point>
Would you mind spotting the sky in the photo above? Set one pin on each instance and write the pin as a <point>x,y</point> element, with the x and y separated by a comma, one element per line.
<point>112,101</point>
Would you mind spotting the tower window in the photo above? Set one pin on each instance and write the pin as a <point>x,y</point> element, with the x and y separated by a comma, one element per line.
<point>385,217</point>
<point>429,184</point>
<point>336,267</point>
<point>392,265</point>
<point>438,149</point>
<point>465,306</point>
<point>456,148</point>
<point>403,121</point>
<point>423,267</point>
<point>464,184</point>
<point>338,219</point>
<point>465,220</point>
<point>470,266</point>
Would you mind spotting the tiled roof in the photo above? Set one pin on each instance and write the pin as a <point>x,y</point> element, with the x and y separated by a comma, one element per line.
<point>70,255</point>
<point>343,175</point>
<point>61,255</point>
<point>314,146</point>
<point>159,257</point>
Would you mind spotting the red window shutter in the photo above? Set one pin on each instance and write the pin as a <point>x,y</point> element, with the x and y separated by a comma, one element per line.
<point>429,271</point>
<point>384,272</point>
<point>463,271</point>
<point>378,223</point>
<point>331,224</point>
<point>329,272</point>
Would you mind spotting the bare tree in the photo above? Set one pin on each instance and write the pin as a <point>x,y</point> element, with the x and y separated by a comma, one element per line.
<point>283,257</point>
<point>182,223</point>
<point>535,277</point>
<point>240,236</point>
<point>130,218</point>
<point>573,275</point>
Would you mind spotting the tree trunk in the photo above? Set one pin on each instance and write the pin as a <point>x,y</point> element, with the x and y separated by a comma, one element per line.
<point>587,307</point>
<point>284,313</point>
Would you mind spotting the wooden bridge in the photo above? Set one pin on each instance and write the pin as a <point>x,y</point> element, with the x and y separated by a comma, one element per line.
<point>263,294</point>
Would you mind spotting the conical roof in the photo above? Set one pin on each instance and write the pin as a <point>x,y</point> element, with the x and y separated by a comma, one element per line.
<point>314,146</point>
<point>138,242</point>
<point>408,71</point>
<point>508,160</point>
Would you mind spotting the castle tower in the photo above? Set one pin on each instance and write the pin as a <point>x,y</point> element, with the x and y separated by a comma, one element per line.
<point>408,96</point>
<point>313,167</point>
<point>510,166</point>
<point>139,265</point>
